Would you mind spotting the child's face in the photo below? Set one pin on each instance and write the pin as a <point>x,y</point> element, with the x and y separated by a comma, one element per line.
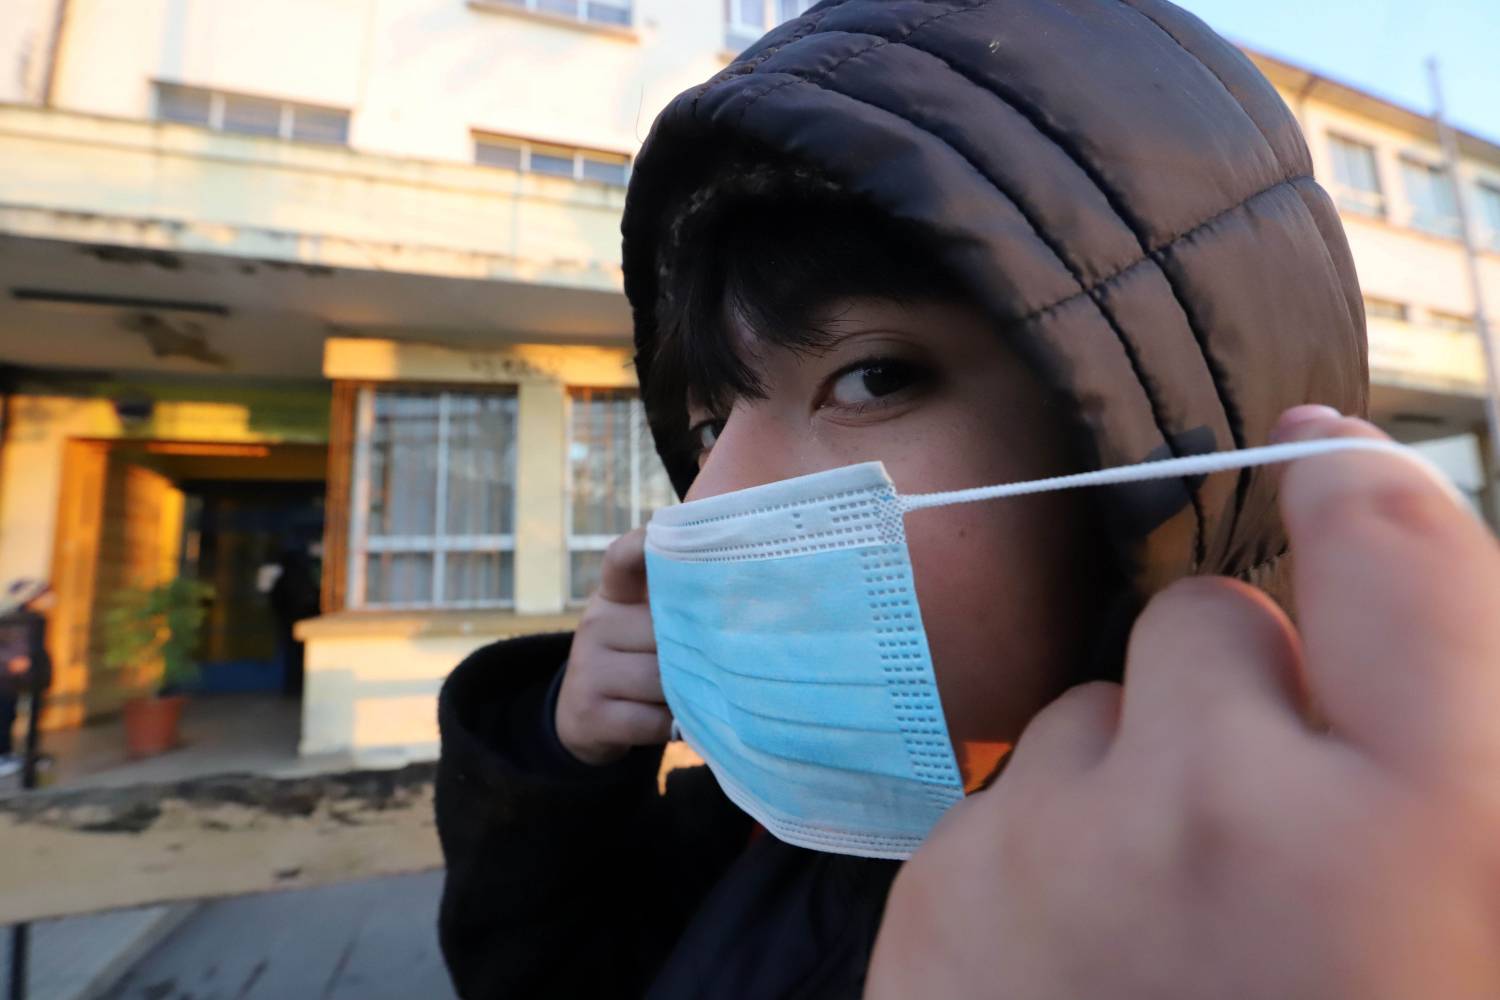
<point>933,392</point>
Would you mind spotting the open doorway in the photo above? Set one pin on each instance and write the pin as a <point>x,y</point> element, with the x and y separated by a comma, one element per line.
<point>241,517</point>
<point>259,545</point>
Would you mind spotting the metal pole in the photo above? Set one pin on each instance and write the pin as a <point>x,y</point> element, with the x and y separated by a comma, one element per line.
<point>20,942</point>
<point>1471,259</point>
<point>20,934</point>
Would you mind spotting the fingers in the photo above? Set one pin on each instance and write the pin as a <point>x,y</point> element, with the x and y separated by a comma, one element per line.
<point>631,677</point>
<point>1398,597</point>
<point>634,723</point>
<point>623,576</point>
<point>625,628</point>
<point>1210,653</point>
<point>609,702</point>
<point>1068,736</point>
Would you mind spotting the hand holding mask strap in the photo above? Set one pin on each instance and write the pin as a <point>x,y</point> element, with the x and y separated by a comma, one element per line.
<point>793,655</point>
<point>1174,468</point>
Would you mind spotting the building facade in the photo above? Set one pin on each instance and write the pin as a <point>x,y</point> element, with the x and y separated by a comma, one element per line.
<point>331,289</point>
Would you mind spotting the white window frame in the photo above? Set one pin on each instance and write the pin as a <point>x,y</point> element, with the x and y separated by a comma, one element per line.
<point>1426,163</point>
<point>1485,192</point>
<point>739,35</point>
<point>546,148</point>
<point>1372,203</point>
<point>438,544</point>
<point>217,100</point>
<point>580,11</point>
<point>598,543</point>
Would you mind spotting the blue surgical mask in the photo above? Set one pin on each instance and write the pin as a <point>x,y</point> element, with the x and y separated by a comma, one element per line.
<point>793,655</point>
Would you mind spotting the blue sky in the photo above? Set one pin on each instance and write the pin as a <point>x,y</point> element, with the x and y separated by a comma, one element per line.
<point>1381,46</point>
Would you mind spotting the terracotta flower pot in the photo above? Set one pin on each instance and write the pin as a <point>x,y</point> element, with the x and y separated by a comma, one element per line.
<point>151,724</point>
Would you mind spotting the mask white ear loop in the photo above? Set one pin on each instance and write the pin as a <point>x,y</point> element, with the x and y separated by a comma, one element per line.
<point>1174,468</point>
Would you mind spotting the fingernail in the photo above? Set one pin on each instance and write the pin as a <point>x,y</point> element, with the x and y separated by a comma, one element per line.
<point>1301,418</point>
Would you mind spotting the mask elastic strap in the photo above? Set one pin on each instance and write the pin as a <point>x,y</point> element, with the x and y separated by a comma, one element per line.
<point>1173,468</point>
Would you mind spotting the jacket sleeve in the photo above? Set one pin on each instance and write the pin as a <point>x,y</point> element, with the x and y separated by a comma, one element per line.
<point>562,879</point>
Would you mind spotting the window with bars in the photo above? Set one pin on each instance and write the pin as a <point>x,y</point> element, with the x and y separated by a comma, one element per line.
<point>247,115</point>
<point>615,479</point>
<point>567,162</point>
<point>747,20</point>
<point>1433,199</point>
<point>1489,214</point>
<point>432,511</point>
<point>1356,176</point>
<point>610,12</point>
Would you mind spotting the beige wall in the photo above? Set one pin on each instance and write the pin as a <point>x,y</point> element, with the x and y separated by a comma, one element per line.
<point>372,679</point>
<point>90,180</point>
<point>1397,261</point>
<point>375,693</point>
<point>419,74</point>
<point>1426,273</point>
<point>25,38</point>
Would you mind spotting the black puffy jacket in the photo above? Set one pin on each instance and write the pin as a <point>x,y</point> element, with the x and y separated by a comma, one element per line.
<point>1132,204</point>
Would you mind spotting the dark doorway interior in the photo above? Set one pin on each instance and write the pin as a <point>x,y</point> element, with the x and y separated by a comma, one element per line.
<point>258,543</point>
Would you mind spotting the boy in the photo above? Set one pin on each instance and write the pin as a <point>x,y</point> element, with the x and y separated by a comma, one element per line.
<point>980,242</point>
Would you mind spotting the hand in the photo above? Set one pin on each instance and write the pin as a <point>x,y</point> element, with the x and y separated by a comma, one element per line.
<point>17,665</point>
<point>611,697</point>
<point>1195,834</point>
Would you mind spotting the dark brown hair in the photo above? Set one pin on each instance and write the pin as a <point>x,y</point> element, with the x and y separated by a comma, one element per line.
<point>765,245</point>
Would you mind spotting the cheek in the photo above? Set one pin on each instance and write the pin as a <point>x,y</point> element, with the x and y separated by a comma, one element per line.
<point>993,584</point>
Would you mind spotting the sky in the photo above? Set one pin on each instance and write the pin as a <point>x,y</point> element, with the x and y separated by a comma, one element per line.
<point>1381,46</point>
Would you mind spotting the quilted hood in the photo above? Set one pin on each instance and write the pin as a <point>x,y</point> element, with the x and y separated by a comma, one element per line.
<point>1114,184</point>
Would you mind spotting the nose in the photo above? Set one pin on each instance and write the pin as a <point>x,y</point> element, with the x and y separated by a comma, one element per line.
<point>755,446</point>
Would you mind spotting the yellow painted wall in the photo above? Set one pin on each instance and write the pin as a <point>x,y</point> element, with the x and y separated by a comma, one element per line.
<point>369,360</point>
<point>123,520</point>
<point>31,461</point>
<point>541,484</point>
<point>373,679</point>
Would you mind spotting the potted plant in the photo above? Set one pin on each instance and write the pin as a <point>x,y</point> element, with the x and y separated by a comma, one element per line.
<point>145,625</point>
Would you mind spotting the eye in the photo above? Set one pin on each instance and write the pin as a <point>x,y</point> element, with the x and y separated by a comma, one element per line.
<point>870,381</point>
<point>702,435</point>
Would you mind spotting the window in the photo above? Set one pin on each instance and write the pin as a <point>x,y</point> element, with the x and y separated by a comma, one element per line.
<point>1434,203</point>
<point>1376,308</point>
<point>615,479</point>
<point>1457,322</point>
<point>520,155</point>
<point>611,12</point>
<point>433,502</point>
<point>1489,215</point>
<point>251,115</point>
<point>1356,178</point>
<point>747,20</point>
